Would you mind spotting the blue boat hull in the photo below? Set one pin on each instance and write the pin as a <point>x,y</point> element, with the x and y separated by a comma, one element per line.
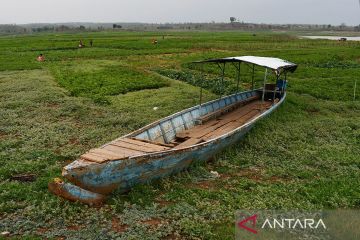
<point>121,175</point>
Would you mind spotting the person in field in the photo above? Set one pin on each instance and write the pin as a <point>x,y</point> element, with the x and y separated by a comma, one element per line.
<point>40,58</point>
<point>91,43</point>
<point>81,44</point>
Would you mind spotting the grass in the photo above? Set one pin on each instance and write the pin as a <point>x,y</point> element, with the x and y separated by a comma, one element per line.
<point>211,83</point>
<point>96,79</point>
<point>304,156</point>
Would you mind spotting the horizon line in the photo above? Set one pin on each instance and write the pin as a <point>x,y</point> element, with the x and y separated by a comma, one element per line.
<point>164,23</point>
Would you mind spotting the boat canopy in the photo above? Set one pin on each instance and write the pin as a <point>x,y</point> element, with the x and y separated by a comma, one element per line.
<point>279,66</point>
<point>276,64</point>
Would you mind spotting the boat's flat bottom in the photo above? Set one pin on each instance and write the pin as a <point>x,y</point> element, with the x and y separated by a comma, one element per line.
<point>223,124</point>
<point>128,147</point>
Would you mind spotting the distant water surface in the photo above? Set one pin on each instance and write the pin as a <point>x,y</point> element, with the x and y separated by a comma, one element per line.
<point>332,37</point>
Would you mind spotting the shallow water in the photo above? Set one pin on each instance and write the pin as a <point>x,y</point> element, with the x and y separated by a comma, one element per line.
<point>332,37</point>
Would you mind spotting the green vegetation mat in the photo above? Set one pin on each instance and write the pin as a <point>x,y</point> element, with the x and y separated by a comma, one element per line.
<point>304,156</point>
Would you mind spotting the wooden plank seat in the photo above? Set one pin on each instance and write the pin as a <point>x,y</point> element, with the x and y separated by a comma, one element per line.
<point>121,149</point>
<point>224,110</point>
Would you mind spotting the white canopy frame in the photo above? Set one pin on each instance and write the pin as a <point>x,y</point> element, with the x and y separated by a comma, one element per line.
<point>277,65</point>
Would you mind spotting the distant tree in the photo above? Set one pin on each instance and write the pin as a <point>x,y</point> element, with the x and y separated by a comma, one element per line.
<point>116,26</point>
<point>62,28</point>
<point>11,28</point>
<point>232,19</point>
<point>82,27</point>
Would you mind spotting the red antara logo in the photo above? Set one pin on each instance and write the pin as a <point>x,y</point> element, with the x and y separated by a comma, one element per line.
<point>251,219</point>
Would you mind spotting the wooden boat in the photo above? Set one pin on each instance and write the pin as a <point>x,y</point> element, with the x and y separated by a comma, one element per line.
<point>171,144</point>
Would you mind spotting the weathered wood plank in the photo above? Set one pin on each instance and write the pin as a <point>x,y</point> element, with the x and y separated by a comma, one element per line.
<point>122,150</point>
<point>108,154</point>
<point>233,116</point>
<point>93,158</point>
<point>139,146</point>
<point>226,109</point>
<point>227,122</point>
<point>238,122</point>
<point>189,142</point>
<point>231,125</point>
<point>133,147</point>
<point>168,145</point>
<point>144,144</point>
<point>186,133</point>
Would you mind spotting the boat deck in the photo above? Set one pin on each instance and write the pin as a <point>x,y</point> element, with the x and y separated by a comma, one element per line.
<point>211,128</point>
<point>221,125</point>
<point>121,149</point>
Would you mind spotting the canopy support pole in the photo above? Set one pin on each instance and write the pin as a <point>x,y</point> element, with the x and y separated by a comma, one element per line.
<point>277,79</point>
<point>238,68</point>
<point>263,93</point>
<point>284,83</point>
<point>253,73</point>
<point>201,84</point>
<point>355,90</point>
<point>222,78</point>
<point>238,78</point>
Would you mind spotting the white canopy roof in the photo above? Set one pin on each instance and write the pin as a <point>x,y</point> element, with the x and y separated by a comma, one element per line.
<point>268,62</point>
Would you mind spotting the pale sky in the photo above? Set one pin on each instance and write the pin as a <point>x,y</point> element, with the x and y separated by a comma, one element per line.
<point>161,11</point>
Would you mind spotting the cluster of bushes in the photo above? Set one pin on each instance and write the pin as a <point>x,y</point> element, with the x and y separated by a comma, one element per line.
<point>213,84</point>
<point>337,62</point>
<point>106,81</point>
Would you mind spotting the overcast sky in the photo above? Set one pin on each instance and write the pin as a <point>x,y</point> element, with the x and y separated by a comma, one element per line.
<point>160,11</point>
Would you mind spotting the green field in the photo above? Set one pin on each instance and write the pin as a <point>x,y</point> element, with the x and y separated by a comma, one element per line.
<point>304,156</point>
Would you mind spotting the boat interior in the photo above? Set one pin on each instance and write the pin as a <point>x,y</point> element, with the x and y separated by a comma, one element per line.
<point>189,127</point>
